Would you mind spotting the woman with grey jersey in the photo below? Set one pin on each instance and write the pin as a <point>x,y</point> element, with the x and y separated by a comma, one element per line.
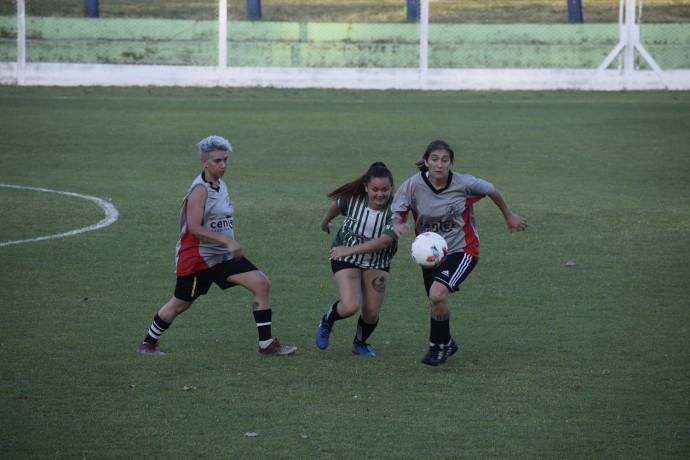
<point>361,254</point>
<point>441,201</point>
<point>207,253</point>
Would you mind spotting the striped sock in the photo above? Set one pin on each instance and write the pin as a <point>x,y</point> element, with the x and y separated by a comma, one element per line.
<point>156,330</point>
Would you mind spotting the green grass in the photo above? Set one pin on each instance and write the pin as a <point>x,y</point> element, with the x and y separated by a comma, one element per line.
<point>556,361</point>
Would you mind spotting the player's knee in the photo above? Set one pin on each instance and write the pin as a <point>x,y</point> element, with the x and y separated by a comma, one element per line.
<point>347,307</point>
<point>173,308</point>
<point>261,285</point>
<point>438,296</point>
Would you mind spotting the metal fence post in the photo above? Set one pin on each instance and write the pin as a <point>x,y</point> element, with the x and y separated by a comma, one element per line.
<point>423,43</point>
<point>413,10</point>
<point>91,8</point>
<point>574,10</point>
<point>21,42</point>
<point>222,36</point>
<point>254,9</point>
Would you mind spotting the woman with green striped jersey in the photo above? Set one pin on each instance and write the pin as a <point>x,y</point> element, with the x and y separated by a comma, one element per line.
<point>361,254</point>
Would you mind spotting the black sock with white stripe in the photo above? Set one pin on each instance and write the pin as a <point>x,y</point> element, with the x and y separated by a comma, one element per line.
<point>156,330</point>
<point>263,323</point>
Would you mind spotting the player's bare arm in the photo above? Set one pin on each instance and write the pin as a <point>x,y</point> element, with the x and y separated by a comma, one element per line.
<point>195,213</point>
<point>513,221</point>
<point>331,214</point>
<point>379,243</point>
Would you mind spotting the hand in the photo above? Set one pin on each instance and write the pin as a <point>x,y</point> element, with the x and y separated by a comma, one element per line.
<point>236,249</point>
<point>339,251</point>
<point>401,228</point>
<point>516,223</point>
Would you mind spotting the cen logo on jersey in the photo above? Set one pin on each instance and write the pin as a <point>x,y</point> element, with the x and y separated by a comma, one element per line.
<point>436,227</point>
<point>221,225</point>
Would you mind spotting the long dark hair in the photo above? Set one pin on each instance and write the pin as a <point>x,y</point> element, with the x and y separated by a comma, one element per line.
<point>438,144</point>
<point>355,188</point>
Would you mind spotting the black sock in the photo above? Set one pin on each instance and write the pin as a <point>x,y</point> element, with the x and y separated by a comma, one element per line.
<point>263,323</point>
<point>439,330</point>
<point>156,330</point>
<point>332,315</point>
<point>364,330</point>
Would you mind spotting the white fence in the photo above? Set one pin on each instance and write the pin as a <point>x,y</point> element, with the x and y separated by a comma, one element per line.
<point>627,66</point>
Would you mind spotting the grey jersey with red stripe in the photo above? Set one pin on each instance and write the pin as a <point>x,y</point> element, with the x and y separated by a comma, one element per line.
<point>192,254</point>
<point>447,211</point>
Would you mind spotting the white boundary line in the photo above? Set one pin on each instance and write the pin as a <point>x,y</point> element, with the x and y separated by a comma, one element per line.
<point>111,215</point>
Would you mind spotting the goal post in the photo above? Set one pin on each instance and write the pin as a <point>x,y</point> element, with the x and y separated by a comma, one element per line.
<point>629,40</point>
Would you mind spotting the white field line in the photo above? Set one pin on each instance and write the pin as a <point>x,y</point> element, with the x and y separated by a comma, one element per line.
<point>111,215</point>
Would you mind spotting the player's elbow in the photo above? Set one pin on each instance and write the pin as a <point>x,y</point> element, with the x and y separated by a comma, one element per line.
<point>197,231</point>
<point>386,241</point>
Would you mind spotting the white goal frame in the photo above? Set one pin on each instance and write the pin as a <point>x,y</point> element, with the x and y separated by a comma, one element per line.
<point>629,19</point>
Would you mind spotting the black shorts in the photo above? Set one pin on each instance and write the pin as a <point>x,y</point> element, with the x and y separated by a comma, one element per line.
<point>190,287</point>
<point>337,265</point>
<point>451,273</point>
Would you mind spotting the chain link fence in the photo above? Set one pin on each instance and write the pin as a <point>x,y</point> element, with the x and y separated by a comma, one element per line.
<point>462,34</point>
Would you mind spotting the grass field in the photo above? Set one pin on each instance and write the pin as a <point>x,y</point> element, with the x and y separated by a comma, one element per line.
<point>574,335</point>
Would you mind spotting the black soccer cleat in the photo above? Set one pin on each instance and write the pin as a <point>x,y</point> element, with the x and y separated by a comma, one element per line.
<point>451,348</point>
<point>438,354</point>
<point>435,356</point>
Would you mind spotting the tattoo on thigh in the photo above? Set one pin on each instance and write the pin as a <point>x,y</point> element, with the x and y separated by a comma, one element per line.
<point>255,306</point>
<point>379,284</point>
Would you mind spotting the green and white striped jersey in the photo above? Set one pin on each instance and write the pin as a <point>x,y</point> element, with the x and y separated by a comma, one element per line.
<point>363,224</point>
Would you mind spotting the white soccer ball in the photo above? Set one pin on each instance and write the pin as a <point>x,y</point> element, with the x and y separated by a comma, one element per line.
<point>429,249</point>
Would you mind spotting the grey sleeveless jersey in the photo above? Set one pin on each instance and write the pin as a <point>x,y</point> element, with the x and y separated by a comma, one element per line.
<point>447,211</point>
<point>193,255</point>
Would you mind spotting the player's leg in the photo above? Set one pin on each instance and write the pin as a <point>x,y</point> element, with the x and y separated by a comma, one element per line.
<point>187,290</point>
<point>256,282</point>
<point>349,283</point>
<point>441,345</point>
<point>173,308</point>
<point>161,323</point>
<point>440,313</point>
<point>446,280</point>
<point>348,279</point>
<point>374,284</point>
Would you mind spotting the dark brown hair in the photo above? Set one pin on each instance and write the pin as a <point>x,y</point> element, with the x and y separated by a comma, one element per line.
<point>355,188</point>
<point>438,144</point>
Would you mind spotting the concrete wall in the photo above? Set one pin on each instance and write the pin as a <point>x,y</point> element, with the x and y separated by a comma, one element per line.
<point>140,52</point>
<point>336,45</point>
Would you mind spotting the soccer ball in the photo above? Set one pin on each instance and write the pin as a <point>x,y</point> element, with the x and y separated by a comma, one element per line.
<point>429,249</point>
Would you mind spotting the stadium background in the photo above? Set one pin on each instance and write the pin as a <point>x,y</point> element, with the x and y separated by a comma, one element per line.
<point>480,44</point>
